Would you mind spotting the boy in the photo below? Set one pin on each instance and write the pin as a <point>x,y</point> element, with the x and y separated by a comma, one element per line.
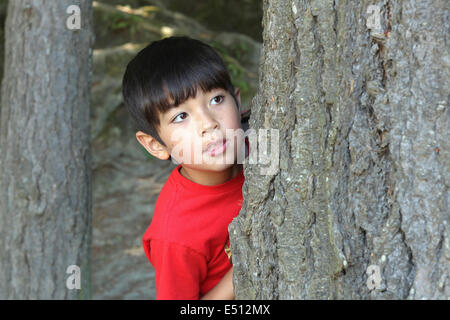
<point>179,93</point>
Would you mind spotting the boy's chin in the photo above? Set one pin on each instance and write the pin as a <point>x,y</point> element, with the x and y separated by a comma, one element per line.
<point>215,167</point>
<point>218,163</point>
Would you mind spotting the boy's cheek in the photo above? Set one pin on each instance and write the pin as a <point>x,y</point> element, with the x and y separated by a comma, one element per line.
<point>184,152</point>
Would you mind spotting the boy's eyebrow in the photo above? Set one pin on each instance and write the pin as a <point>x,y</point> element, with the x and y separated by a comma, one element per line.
<point>168,111</point>
<point>173,106</point>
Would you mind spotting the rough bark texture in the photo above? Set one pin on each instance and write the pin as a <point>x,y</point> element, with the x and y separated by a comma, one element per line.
<point>364,155</point>
<point>3,7</point>
<point>45,190</point>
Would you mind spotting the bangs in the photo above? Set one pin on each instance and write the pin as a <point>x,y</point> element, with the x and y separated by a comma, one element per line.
<point>175,87</point>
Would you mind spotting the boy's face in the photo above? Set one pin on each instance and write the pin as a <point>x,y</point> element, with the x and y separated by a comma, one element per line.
<point>190,128</point>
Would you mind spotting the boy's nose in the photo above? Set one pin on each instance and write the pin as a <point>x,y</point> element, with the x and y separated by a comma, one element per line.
<point>207,123</point>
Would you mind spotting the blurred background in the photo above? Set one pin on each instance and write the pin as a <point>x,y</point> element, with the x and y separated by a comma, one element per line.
<point>126,179</point>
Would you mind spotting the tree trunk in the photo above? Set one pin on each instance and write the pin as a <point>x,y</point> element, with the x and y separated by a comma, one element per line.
<point>363,175</point>
<point>45,190</point>
<point>3,7</point>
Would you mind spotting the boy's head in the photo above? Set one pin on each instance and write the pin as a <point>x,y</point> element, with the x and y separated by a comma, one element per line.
<point>179,88</point>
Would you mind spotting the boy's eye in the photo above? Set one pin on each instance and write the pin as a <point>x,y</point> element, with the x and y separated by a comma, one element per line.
<point>183,113</point>
<point>217,99</point>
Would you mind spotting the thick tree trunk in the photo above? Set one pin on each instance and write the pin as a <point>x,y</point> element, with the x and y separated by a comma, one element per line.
<point>45,191</point>
<point>364,166</point>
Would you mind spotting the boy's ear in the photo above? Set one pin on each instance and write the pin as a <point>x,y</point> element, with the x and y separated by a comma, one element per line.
<point>152,145</point>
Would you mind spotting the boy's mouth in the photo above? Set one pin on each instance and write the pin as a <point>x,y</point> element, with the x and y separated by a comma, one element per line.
<point>215,148</point>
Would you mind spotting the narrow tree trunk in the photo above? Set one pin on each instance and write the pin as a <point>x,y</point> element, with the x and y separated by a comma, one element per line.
<point>45,191</point>
<point>3,8</point>
<point>364,166</point>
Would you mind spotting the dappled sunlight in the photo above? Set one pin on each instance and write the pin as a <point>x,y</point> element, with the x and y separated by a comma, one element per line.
<point>142,11</point>
<point>167,31</point>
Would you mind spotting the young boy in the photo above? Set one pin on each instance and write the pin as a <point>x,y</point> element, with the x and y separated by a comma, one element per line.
<point>179,93</point>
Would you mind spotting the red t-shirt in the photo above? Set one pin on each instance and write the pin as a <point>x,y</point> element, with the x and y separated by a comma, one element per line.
<point>186,240</point>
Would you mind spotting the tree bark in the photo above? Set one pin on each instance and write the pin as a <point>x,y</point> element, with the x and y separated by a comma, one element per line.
<point>3,7</point>
<point>45,190</point>
<point>364,165</point>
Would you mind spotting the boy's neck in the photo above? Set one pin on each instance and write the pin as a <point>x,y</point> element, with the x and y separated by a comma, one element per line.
<point>211,178</point>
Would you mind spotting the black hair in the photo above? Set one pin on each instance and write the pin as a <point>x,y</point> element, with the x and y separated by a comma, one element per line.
<point>165,74</point>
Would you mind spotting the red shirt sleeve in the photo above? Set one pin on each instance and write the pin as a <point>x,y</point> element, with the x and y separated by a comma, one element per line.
<point>179,270</point>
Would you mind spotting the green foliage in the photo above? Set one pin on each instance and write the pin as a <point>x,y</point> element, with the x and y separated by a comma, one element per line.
<point>231,58</point>
<point>238,77</point>
<point>241,16</point>
<point>119,21</point>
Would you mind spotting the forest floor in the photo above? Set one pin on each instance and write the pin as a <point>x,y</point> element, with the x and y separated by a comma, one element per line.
<point>121,216</point>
